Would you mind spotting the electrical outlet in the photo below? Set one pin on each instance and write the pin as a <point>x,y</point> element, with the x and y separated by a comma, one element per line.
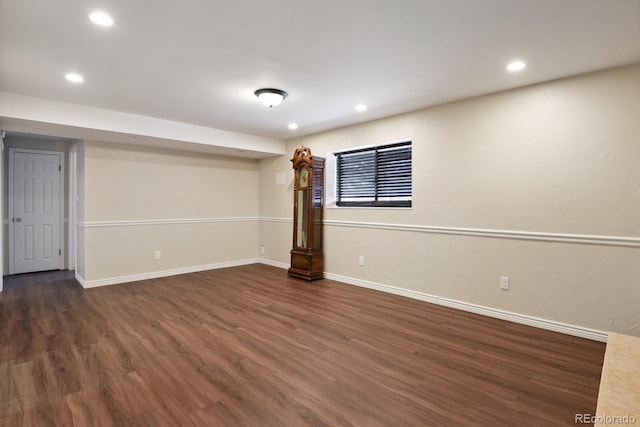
<point>262,249</point>
<point>504,283</point>
<point>156,255</point>
<point>361,260</point>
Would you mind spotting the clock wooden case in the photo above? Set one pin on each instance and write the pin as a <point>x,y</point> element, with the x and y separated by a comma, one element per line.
<point>307,261</point>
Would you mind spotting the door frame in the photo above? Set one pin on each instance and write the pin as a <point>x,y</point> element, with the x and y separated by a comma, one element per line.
<point>72,212</point>
<point>10,245</point>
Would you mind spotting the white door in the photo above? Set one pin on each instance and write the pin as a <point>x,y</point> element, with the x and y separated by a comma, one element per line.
<point>35,214</point>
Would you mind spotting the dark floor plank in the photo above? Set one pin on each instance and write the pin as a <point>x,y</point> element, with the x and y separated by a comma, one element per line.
<point>248,346</point>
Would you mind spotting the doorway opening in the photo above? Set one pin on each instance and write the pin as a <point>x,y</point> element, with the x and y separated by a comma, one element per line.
<point>38,175</point>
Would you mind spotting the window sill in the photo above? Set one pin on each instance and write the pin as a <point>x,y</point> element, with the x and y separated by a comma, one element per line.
<point>377,208</point>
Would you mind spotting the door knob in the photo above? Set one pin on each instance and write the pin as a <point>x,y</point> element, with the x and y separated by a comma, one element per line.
<point>18,219</point>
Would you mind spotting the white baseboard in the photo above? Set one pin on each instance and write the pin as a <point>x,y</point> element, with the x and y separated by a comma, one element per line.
<point>80,279</point>
<point>537,322</point>
<point>274,263</point>
<point>550,325</point>
<point>163,273</point>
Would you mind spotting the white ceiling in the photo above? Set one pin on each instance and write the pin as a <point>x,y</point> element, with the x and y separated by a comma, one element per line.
<point>199,61</point>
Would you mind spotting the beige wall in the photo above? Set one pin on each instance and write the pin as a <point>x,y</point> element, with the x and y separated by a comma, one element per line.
<point>561,158</point>
<point>207,207</point>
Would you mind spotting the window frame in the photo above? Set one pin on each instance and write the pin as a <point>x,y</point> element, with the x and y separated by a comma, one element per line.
<point>376,203</point>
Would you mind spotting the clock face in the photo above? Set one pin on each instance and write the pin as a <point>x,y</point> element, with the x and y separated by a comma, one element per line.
<point>303,180</point>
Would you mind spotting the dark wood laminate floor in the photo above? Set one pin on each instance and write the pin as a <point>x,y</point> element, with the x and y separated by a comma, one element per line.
<point>248,346</point>
<point>22,281</point>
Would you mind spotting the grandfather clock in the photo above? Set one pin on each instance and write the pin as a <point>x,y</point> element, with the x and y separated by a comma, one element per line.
<point>308,202</point>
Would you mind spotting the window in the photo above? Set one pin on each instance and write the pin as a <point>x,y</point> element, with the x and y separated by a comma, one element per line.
<point>374,176</point>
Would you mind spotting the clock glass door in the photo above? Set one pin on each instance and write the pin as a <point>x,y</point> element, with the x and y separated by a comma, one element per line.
<point>302,231</point>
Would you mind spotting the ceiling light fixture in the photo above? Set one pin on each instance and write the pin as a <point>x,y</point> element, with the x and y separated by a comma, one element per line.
<point>74,77</point>
<point>516,66</point>
<point>101,18</point>
<point>293,126</point>
<point>271,97</point>
<point>361,107</point>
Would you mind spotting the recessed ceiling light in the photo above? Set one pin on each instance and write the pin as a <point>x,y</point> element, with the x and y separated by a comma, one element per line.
<point>361,107</point>
<point>293,126</point>
<point>74,77</point>
<point>101,18</point>
<point>516,66</point>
